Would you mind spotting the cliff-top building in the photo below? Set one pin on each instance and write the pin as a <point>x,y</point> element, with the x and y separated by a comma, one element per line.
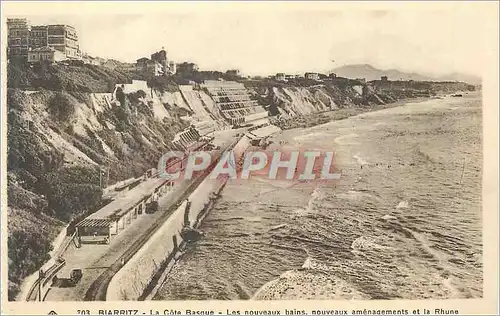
<point>45,54</point>
<point>158,65</point>
<point>18,34</point>
<point>233,72</point>
<point>311,76</point>
<point>64,38</point>
<point>187,68</point>
<point>280,76</point>
<point>39,36</point>
<point>172,67</point>
<point>22,38</point>
<point>160,57</point>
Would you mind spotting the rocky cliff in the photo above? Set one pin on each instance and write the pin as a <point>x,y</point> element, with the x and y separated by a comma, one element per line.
<point>57,143</point>
<point>294,102</point>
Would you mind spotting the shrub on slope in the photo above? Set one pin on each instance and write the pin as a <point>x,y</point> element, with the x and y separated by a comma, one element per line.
<point>83,78</point>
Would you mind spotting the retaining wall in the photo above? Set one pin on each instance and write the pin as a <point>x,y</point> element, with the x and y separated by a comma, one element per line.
<point>30,283</point>
<point>132,279</point>
<point>130,282</point>
<point>200,197</point>
<point>50,274</point>
<point>240,147</point>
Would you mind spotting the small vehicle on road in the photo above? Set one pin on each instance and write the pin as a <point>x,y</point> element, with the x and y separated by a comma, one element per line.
<point>76,275</point>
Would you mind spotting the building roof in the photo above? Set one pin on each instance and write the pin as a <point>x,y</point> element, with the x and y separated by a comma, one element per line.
<point>17,20</point>
<point>142,59</point>
<point>89,222</point>
<point>121,205</point>
<point>61,25</point>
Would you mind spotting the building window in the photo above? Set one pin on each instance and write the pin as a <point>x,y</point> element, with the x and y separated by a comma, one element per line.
<point>56,31</point>
<point>56,40</point>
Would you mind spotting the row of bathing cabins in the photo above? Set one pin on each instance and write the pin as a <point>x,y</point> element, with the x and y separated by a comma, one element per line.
<point>232,106</point>
<point>227,105</point>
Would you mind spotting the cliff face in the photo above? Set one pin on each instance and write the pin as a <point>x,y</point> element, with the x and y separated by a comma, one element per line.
<point>293,101</point>
<point>296,99</point>
<point>91,129</point>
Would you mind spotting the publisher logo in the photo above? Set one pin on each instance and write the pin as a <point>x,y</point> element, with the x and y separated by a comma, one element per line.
<point>52,313</point>
<point>295,165</point>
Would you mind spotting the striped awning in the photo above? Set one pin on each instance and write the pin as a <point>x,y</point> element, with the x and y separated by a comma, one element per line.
<point>92,222</point>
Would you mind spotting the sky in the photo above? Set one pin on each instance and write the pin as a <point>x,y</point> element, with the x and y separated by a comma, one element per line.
<point>426,40</point>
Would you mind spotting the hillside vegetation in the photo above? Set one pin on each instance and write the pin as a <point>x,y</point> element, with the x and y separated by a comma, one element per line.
<point>71,78</point>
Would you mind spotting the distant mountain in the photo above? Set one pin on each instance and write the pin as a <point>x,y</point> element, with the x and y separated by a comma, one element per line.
<point>371,73</point>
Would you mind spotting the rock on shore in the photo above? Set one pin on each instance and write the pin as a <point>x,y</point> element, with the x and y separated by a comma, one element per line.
<point>308,284</point>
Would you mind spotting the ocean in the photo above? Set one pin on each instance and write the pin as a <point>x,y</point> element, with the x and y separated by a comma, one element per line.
<point>403,222</point>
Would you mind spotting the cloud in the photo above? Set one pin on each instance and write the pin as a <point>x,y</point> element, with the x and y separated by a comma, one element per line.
<point>292,40</point>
